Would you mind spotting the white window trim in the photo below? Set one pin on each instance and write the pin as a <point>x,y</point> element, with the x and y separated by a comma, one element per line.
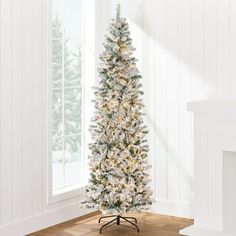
<point>88,75</point>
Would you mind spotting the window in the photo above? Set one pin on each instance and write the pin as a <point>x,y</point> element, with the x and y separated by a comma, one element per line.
<point>67,96</point>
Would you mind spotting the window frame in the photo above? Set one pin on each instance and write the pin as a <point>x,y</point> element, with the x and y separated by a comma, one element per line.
<point>88,14</point>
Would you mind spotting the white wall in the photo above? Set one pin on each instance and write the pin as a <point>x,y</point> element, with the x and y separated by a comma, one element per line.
<point>187,51</point>
<point>23,119</point>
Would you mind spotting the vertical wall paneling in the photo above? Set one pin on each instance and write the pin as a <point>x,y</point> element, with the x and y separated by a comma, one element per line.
<point>134,9</point>
<point>102,13</point>
<point>6,109</point>
<point>186,51</point>
<point>45,71</point>
<point>172,106</point>
<point>193,58</point>
<point>232,25</point>
<point>210,41</point>
<point>27,93</point>
<point>24,75</point>
<point>112,5</point>
<point>185,121</point>
<point>223,49</point>
<point>159,35</point>
<point>16,107</point>
<point>0,100</point>
<point>199,87</point>
<point>36,107</point>
<point>149,80</point>
<point>90,46</point>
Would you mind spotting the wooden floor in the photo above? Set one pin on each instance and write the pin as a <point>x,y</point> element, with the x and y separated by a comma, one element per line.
<point>150,225</point>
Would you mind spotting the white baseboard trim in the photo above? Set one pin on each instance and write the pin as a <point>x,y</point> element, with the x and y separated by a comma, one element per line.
<point>44,220</point>
<point>194,231</point>
<point>179,209</point>
<point>63,214</point>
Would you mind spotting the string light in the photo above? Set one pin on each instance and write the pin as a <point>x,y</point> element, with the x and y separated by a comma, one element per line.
<point>119,170</point>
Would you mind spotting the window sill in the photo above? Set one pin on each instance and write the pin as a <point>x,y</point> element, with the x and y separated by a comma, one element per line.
<point>67,193</point>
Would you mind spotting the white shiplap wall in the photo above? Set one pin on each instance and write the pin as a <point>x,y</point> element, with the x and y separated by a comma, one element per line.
<point>186,51</point>
<point>23,117</point>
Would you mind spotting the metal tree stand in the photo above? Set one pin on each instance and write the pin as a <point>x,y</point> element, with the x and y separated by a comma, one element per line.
<point>117,220</point>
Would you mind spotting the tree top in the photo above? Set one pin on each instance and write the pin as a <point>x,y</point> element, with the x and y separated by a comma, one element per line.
<point>118,11</point>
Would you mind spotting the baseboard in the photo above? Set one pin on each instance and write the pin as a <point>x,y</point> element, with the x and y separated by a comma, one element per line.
<point>179,209</point>
<point>195,231</point>
<point>63,214</point>
<point>43,221</point>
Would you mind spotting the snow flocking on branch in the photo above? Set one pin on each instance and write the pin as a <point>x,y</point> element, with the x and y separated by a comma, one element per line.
<point>119,179</point>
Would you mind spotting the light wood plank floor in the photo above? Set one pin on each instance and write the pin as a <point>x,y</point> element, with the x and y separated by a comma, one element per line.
<point>149,224</point>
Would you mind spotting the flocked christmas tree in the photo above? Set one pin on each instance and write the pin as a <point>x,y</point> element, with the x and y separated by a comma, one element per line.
<point>118,161</point>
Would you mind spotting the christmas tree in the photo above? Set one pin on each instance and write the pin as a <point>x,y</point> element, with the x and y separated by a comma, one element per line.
<point>118,161</point>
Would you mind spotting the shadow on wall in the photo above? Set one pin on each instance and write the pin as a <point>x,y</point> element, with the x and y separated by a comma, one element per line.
<point>185,49</point>
<point>159,36</point>
<point>196,35</point>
